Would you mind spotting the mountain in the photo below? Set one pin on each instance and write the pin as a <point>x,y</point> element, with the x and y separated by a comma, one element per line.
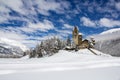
<point>10,47</point>
<point>109,42</point>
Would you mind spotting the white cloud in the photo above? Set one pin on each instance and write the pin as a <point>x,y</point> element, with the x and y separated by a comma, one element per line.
<point>107,7</point>
<point>15,34</point>
<point>3,13</point>
<point>6,6</point>
<point>2,19</point>
<point>103,22</point>
<point>3,9</point>
<point>15,5</point>
<point>61,20</point>
<point>12,35</point>
<point>67,26</point>
<point>48,5</point>
<point>45,6</point>
<point>41,26</point>
<point>87,22</point>
<point>64,32</point>
<point>117,5</point>
<point>27,8</point>
<point>109,22</point>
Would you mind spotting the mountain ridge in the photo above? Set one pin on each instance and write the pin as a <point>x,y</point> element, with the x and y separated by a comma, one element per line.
<point>109,42</point>
<point>11,47</point>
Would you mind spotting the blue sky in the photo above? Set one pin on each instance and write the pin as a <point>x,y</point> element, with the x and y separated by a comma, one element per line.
<point>31,21</point>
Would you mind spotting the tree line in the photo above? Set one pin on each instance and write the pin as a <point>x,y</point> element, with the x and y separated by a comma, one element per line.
<point>48,47</point>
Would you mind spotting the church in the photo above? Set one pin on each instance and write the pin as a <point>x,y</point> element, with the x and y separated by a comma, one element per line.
<point>79,42</point>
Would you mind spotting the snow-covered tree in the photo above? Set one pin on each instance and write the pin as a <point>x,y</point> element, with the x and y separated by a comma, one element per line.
<point>48,47</point>
<point>31,54</point>
<point>68,42</point>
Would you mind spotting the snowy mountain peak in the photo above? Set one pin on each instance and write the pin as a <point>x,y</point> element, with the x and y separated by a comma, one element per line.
<point>111,34</point>
<point>9,42</point>
<point>111,31</point>
<point>109,42</point>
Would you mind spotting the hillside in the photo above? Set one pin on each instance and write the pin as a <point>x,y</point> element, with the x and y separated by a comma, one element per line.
<point>109,42</point>
<point>64,65</point>
<point>10,47</point>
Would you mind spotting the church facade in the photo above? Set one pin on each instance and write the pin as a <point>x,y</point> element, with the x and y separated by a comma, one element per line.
<point>79,42</point>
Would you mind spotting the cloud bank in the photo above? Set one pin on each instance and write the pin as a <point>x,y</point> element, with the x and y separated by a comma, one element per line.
<point>103,22</point>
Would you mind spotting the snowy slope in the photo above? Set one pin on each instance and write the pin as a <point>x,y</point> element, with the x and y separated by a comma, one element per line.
<point>10,47</point>
<point>109,42</point>
<point>111,31</point>
<point>111,34</point>
<point>81,65</point>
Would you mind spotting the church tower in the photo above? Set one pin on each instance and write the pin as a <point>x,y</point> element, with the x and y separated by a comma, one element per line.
<point>75,35</point>
<point>79,42</point>
<point>80,39</point>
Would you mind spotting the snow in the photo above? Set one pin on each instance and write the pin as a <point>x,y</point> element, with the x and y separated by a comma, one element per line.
<point>111,34</point>
<point>115,30</point>
<point>80,33</point>
<point>64,65</point>
<point>13,43</point>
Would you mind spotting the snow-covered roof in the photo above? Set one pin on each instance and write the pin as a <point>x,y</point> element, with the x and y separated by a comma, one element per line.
<point>80,33</point>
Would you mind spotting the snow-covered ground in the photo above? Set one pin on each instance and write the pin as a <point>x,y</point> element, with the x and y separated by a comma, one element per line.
<point>81,65</point>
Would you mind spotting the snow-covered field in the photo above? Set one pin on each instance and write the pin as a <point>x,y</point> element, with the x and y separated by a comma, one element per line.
<point>81,65</point>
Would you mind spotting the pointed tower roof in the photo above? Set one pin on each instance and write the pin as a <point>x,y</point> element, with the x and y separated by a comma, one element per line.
<point>75,29</point>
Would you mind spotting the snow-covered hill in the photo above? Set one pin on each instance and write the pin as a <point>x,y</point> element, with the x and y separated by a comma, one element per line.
<point>109,42</point>
<point>111,31</point>
<point>11,47</point>
<point>64,65</point>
